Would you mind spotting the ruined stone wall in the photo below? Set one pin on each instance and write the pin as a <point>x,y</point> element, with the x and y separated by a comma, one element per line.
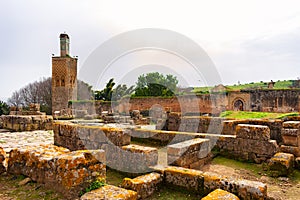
<point>75,136</point>
<point>217,125</point>
<point>234,146</point>
<point>58,168</point>
<point>210,104</point>
<point>276,100</point>
<point>205,182</point>
<point>26,122</point>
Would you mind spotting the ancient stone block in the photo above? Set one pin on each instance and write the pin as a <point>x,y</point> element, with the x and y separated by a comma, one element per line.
<point>220,194</point>
<point>110,192</point>
<point>75,137</point>
<point>188,152</point>
<point>58,168</point>
<point>2,159</point>
<point>290,149</point>
<point>243,188</point>
<point>281,164</point>
<point>254,132</point>
<point>190,179</point>
<point>144,185</point>
<point>131,158</point>
<point>291,124</point>
<point>291,137</point>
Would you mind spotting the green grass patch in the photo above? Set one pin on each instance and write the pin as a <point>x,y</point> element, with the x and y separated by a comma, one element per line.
<point>93,186</point>
<point>255,115</point>
<point>255,168</point>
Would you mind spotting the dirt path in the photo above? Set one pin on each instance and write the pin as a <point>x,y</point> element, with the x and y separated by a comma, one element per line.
<point>278,188</point>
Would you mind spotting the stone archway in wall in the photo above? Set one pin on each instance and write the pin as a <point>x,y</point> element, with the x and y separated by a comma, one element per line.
<point>238,104</point>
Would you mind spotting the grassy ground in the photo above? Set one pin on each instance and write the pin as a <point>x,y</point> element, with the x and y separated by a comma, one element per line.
<point>255,115</point>
<point>285,84</point>
<point>10,190</point>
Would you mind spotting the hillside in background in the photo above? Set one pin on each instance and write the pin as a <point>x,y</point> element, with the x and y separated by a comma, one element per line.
<point>285,84</point>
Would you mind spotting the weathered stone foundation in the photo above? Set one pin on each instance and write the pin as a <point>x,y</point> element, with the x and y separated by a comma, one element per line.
<point>189,154</point>
<point>26,122</point>
<point>144,185</point>
<point>58,168</point>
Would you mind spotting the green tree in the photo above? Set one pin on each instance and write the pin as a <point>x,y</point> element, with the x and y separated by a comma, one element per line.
<point>156,84</point>
<point>4,108</point>
<point>121,91</point>
<point>106,93</point>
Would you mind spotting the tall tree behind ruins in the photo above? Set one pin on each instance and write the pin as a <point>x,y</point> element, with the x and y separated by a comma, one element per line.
<point>40,92</point>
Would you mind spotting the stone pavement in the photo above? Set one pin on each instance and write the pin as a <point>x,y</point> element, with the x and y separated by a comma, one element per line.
<point>11,140</point>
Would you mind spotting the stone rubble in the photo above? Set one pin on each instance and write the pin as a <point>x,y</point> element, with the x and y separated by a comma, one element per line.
<point>281,164</point>
<point>110,192</point>
<point>219,194</point>
<point>58,168</point>
<point>144,185</point>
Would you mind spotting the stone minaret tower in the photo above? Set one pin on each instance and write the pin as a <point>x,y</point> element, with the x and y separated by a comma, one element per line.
<point>64,77</point>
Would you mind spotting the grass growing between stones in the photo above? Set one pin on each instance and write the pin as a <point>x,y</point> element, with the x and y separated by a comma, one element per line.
<point>165,192</point>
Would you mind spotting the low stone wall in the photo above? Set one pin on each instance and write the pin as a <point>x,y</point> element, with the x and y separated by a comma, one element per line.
<point>144,185</point>
<point>217,125</point>
<point>189,154</point>
<point>58,168</point>
<point>206,182</point>
<point>2,159</point>
<point>75,136</point>
<point>252,143</point>
<point>26,122</point>
<point>131,159</point>
<point>249,147</point>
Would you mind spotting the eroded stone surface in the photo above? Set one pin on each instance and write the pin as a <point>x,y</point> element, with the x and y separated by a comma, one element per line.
<point>291,137</point>
<point>220,195</point>
<point>291,124</point>
<point>12,140</point>
<point>188,153</point>
<point>58,168</point>
<point>27,122</point>
<point>131,158</point>
<point>253,132</point>
<point>110,192</point>
<point>281,164</point>
<point>2,158</point>
<point>144,185</point>
<point>75,136</point>
<point>206,182</point>
<point>190,179</point>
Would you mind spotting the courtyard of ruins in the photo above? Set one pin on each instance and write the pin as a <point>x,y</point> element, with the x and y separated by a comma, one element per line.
<point>191,157</point>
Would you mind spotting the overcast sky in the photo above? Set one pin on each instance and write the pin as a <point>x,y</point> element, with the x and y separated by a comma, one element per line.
<point>246,40</point>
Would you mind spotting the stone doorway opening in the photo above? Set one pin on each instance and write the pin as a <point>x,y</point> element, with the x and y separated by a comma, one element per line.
<point>238,105</point>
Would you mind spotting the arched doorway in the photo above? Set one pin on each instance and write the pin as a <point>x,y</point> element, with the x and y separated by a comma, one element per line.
<point>238,105</point>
